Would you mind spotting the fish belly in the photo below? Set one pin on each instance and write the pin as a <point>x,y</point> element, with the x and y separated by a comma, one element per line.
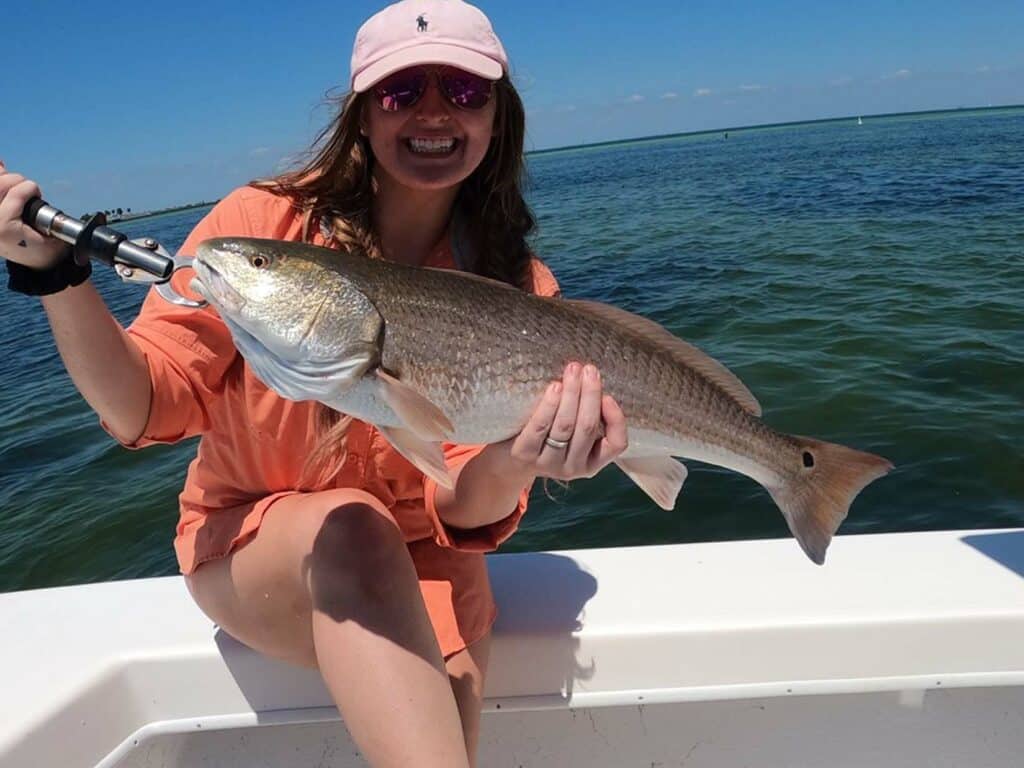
<point>478,416</point>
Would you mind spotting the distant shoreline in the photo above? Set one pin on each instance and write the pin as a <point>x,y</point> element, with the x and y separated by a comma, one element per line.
<point>758,126</point>
<point>161,212</point>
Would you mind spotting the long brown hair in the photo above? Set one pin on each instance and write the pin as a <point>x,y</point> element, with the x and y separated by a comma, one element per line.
<point>335,185</point>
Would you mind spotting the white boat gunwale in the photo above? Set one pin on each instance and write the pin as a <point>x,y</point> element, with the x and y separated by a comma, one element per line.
<point>96,670</point>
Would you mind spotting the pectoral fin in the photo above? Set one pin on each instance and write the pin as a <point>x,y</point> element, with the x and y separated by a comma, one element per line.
<point>660,477</point>
<point>426,456</point>
<point>420,415</point>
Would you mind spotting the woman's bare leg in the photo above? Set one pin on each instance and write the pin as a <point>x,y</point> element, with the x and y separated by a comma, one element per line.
<point>466,671</point>
<point>328,582</point>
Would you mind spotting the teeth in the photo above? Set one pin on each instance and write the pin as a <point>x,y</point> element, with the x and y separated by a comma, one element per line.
<point>432,145</point>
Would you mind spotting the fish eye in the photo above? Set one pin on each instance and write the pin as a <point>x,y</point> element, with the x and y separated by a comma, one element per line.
<point>259,260</point>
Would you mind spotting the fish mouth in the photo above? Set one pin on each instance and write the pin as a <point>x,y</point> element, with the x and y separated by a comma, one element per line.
<point>214,287</point>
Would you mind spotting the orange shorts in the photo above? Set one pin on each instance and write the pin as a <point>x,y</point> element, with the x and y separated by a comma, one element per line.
<point>454,583</point>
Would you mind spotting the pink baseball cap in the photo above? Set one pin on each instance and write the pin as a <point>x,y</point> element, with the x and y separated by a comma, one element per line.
<point>414,32</point>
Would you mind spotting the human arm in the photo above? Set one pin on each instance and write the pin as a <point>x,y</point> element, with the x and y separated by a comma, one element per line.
<point>155,381</point>
<point>106,367</point>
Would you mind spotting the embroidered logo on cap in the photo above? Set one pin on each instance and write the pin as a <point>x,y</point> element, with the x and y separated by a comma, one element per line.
<point>421,23</point>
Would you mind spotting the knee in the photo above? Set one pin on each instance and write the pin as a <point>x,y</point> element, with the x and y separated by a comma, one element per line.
<point>356,552</point>
<point>354,531</point>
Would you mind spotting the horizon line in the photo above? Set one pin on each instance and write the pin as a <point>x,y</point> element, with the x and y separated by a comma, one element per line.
<point>756,126</point>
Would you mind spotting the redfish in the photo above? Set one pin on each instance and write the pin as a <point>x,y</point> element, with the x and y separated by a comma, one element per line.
<point>429,355</point>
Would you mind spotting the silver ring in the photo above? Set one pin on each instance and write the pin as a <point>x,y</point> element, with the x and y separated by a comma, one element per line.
<point>554,443</point>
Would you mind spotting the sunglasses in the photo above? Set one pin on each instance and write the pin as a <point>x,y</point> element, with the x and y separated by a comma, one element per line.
<point>405,87</point>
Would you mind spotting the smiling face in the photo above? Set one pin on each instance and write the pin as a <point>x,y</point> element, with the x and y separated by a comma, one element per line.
<point>432,144</point>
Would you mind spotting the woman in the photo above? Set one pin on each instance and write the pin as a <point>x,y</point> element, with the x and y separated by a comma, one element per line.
<point>303,534</point>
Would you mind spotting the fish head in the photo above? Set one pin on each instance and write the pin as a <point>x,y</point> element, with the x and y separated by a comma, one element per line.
<point>287,305</point>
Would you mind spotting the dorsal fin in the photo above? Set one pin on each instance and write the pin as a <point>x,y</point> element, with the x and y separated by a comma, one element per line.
<point>680,350</point>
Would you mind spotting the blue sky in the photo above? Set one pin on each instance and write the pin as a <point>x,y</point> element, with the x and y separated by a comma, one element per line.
<point>145,106</point>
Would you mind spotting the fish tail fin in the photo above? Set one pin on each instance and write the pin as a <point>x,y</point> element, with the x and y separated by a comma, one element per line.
<point>818,499</point>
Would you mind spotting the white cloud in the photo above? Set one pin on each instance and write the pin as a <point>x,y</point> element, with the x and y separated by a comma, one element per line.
<point>636,98</point>
<point>900,74</point>
<point>751,87</point>
<point>983,68</point>
<point>669,95</point>
<point>703,92</point>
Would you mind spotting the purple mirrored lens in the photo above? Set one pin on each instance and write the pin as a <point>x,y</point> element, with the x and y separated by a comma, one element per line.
<point>401,90</point>
<point>464,89</point>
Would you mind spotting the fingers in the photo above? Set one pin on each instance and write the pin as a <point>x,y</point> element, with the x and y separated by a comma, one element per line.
<point>19,242</point>
<point>16,191</point>
<point>552,459</point>
<point>615,439</point>
<point>529,443</point>
<point>587,429</point>
<point>577,412</point>
<point>8,181</point>
<point>554,417</point>
<point>565,418</point>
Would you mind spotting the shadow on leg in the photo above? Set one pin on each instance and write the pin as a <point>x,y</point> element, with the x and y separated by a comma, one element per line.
<point>467,671</point>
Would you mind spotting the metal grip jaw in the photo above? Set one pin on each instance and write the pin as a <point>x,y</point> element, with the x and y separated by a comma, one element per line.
<point>137,261</point>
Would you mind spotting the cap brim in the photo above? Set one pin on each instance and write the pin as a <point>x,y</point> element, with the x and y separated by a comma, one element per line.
<point>429,53</point>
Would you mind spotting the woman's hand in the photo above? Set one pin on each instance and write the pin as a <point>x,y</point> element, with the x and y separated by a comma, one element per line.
<point>575,431</point>
<point>18,241</point>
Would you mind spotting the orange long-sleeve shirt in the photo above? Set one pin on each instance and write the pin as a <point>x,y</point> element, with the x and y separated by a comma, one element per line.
<point>254,442</point>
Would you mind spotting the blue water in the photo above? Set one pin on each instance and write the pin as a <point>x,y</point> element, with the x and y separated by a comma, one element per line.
<point>866,282</point>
